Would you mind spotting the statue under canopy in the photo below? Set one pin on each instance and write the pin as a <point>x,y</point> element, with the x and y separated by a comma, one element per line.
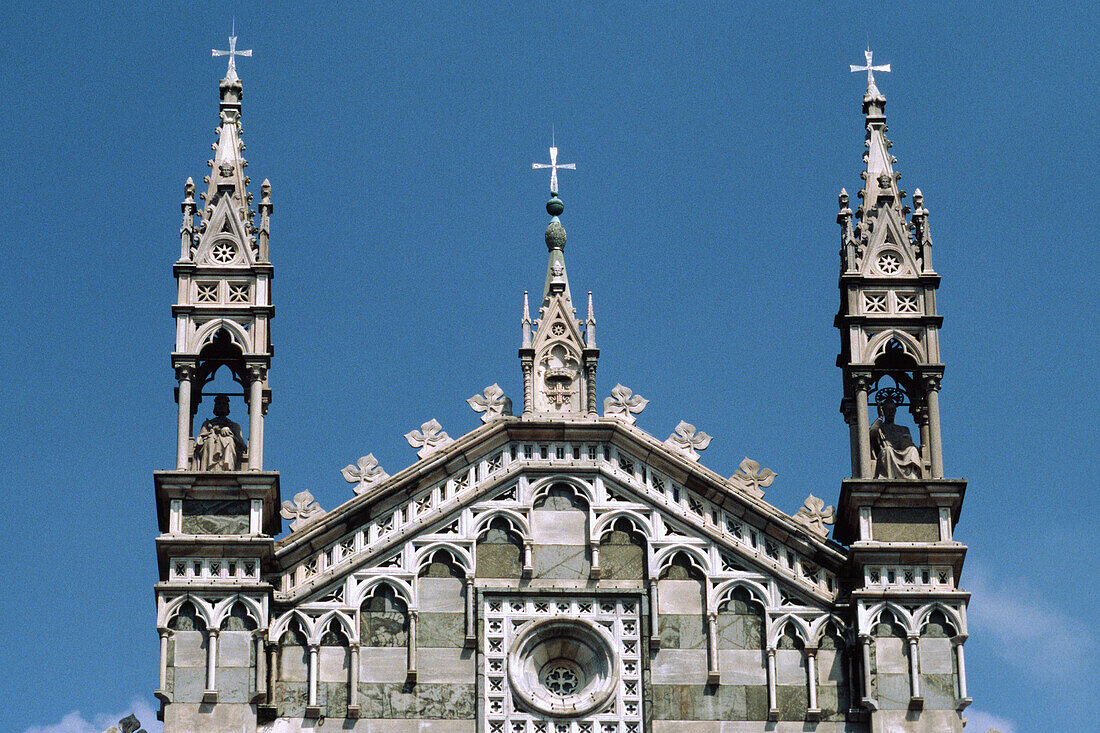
<point>892,446</point>
<point>219,444</point>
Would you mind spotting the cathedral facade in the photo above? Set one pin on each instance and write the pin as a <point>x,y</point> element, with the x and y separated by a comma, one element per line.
<point>558,569</point>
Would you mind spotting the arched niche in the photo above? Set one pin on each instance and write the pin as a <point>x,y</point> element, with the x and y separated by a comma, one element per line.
<point>834,671</point>
<point>559,534</point>
<point>441,584</point>
<point>741,625</point>
<point>890,650</point>
<point>682,604</point>
<point>623,553</point>
<point>499,550</point>
<point>294,653</point>
<point>384,618</point>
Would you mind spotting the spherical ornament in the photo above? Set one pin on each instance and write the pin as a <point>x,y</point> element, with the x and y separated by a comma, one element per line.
<point>555,235</point>
<point>555,206</point>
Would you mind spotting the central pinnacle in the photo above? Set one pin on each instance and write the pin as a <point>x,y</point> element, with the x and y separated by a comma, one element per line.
<point>555,232</point>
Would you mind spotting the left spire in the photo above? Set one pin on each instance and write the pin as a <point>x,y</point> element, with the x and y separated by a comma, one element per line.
<point>224,308</point>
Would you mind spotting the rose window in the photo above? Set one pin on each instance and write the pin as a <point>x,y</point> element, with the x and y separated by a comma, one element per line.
<point>557,329</point>
<point>223,252</point>
<point>560,679</point>
<point>889,263</point>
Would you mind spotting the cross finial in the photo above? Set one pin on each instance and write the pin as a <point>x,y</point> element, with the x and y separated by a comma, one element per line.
<point>870,68</point>
<point>232,53</point>
<point>554,167</point>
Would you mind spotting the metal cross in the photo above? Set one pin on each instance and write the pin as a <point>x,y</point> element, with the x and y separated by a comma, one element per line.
<point>554,168</point>
<point>231,53</point>
<point>870,68</point>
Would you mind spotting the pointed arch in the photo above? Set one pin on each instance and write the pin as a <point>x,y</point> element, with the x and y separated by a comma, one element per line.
<point>912,347</point>
<point>924,613</point>
<point>458,554</point>
<point>205,334</point>
<point>903,617</point>
<point>320,626</point>
<point>695,556</point>
<point>606,521</point>
<point>223,608</point>
<point>279,627</point>
<point>365,588</point>
<point>202,610</point>
<point>758,591</point>
<point>541,487</point>
<point>781,623</point>
<point>820,625</point>
<point>519,523</point>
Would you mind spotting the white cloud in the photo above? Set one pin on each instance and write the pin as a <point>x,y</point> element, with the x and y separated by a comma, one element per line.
<point>1028,632</point>
<point>75,722</point>
<point>979,721</point>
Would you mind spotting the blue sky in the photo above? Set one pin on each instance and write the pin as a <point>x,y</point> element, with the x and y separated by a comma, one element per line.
<point>711,141</point>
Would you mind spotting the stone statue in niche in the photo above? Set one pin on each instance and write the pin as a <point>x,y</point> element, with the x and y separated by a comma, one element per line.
<point>891,444</point>
<point>219,444</point>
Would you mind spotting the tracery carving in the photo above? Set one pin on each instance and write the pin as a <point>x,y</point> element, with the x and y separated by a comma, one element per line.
<point>364,474</point>
<point>302,510</point>
<point>623,404</point>
<point>491,403</point>
<point>688,441</point>
<point>429,439</point>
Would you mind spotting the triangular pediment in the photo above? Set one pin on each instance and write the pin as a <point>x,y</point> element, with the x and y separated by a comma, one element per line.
<point>680,507</point>
<point>889,252</point>
<point>224,241</point>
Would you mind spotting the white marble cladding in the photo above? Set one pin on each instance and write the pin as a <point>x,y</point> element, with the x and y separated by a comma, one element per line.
<point>937,577</point>
<point>389,539</point>
<point>205,569</point>
<point>505,617</point>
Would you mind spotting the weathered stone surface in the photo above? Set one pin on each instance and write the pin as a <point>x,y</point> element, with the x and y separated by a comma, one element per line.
<point>905,524</point>
<point>559,526</point>
<point>742,666</point>
<point>333,663</point>
<point>235,649</point>
<point>890,655</point>
<point>383,664</point>
<point>936,655</point>
<point>740,631</point>
<point>189,684</point>
<point>679,631</point>
<point>440,630</point>
<point>234,685</point>
<point>449,701</point>
<point>290,698</point>
<point>790,667</point>
<point>442,595</point>
<point>792,702</point>
<point>717,703</point>
<point>938,691</point>
<point>893,691</point>
<point>620,558</point>
<point>560,561</point>
<point>499,555</point>
<point>446,665</point>
<point>927,721</point>
<point>189,649</point>
<point>679,667</point>
<point>680,597</point>
<point>208,516</point>
<point>334,698</point>
<point>293,663</point>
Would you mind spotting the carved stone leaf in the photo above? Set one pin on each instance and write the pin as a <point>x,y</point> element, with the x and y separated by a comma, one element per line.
<point>688,441</point>
<point>491,403</point>
<point>365,473</point>
<point>623,404</point>
<point>302,510</point>
<point>429,439</point>
<point>750,477</point>
<point>815,515</point>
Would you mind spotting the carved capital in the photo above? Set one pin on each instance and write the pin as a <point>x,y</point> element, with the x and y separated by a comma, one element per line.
<point>257,372</point>
<point>931,382</point>
<point>862,381</point>
<point>185,372</point>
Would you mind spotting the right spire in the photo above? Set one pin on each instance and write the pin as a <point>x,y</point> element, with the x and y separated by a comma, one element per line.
<point>888,320</point>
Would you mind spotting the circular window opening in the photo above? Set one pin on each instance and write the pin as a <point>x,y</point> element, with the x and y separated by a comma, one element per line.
<point>563,667</point>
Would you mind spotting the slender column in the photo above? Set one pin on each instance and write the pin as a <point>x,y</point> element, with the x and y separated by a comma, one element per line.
<point>773,707</point>
<point>712,649</point>
<point>848,410</point>
<point>163,685</point>
<point>353,677</point>
<point>261,663</point>
<point>255,419</point>
<point>921,416</point>
<point>314,650</point>
<point>272,670</point>
<point>865,642</point>
<point>412,646</point>
<point>211,660</point>
<point>932,395</point>
<point>471,633</point>
<point>528,386</point>
<point>914,676</point>
<point>528,566</point>
<point>811,676</point>
<point>864,430</point>
<point>654,622</point>
<point>590,373</point>
<point>960,660</point>
<point>594,571</point>
<point>183,425</point>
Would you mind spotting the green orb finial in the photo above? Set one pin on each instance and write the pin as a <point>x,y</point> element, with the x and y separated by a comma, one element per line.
<point>554,206</point>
